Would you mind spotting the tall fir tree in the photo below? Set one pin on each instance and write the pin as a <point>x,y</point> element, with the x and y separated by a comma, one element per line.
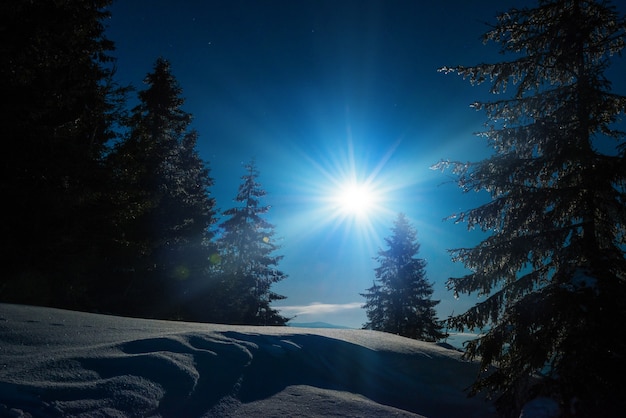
<point>552,271</point>
<point>165,211</point>
<point>59,105</point>
<point>401,302</point>
<point>248,265</point>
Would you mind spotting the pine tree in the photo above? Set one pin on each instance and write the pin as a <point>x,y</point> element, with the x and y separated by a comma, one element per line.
<point>376,307</point>
<point>552,270</point>
<point>402,301</point>
<point>58,108</point>
<point>248,266</point>
<point>165,208</point>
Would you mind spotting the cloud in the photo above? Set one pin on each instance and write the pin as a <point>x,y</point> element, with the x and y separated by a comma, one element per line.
<point>318,308</point>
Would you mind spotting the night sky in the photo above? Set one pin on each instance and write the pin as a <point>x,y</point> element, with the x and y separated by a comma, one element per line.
<point>321,93</point>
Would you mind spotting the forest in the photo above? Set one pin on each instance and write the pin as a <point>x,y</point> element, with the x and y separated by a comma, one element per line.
<point>109,208</point>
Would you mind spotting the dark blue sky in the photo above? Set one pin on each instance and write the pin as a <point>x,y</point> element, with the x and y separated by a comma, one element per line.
<point>317,92</point>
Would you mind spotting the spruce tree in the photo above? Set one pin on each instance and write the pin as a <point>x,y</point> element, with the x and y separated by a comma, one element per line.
<point>248,266</point>
<point>401,303</point>
<point>165,210</point>
<point>58,108</point>
<point>552,271</point>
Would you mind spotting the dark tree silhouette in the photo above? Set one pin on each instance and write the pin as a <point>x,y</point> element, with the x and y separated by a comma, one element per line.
<point>248,267</point>
<point>401,302</point>
<point>165,210</point>
<point>58,107</point>
<point>552,272</point>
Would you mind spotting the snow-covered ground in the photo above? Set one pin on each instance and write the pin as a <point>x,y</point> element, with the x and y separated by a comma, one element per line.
<point>57,363</point>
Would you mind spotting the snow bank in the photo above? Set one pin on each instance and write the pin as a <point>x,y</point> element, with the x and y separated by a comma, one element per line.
<point>56,363</point>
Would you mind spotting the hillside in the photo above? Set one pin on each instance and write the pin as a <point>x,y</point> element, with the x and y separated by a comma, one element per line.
<point>57,363</point>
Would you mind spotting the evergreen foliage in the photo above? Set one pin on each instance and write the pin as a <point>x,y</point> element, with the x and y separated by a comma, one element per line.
<point>59,104</point>
<point>248,267</point>
<point>119,222</point>
<point>401,302</point>
<point>553,271</point>
<point>164,208</point>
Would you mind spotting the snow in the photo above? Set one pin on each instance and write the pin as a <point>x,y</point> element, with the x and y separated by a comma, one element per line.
<point>58,363</point>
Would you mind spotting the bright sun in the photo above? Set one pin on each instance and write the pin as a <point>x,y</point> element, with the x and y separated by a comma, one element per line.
<point>350,192</point>
<point>355,199</point>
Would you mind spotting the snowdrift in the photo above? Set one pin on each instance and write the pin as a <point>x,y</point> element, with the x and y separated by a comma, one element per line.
<point>57,363</point>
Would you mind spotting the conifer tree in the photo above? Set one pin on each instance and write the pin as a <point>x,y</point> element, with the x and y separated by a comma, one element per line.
<point>165,208</point>
<point>248,265</point>
<point>58,108</point>
<point>552,272</point>
<point>401,303</point>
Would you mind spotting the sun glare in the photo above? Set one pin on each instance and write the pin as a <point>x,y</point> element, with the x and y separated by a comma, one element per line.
<point>348,196</point>
<point>355,199</point>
